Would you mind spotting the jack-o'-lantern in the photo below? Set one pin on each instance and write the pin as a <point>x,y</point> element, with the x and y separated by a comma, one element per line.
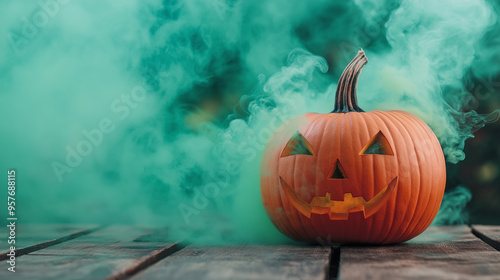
<point>352,176</point>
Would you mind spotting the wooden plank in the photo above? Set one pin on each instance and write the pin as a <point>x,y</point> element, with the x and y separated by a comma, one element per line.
<point>450,252</point>
<point>109,251</point>
<point>242,262</point>
<point>489,234</point>
<point>33,237</point>
<point>145,262</point>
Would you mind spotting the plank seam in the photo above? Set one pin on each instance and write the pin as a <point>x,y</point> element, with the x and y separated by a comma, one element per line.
<point>43,245</point>
<point>147,261</point>
<point>334,263</point>
<point>486,239</point>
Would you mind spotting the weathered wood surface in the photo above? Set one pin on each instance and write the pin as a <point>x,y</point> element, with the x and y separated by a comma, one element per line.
<point>108,252</point>
<point>131,252</point>
<point>30,238</point>
<point>451,252</point>
<point>242,262</point>
<point>489,234</point>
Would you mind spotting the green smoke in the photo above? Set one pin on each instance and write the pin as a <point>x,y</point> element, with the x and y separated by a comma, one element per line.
<point>452,211</point>
<point>157,112</point>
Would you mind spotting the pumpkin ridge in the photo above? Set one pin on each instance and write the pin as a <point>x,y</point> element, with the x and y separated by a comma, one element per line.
<point>415,182</point>
<point>354,183</point>
<point>287,221</point>
<point>284,225</point>
<point>418,129</point>
<point>380,124</point>
<point>381,121</point>
<point>389,215</point>
<point>316,185</point>
<point>302,219</point>
<point>426,218</point>
<point>329,125</point>
<point>369,227</point>
<point>291,209</point>
<point>415,185</point>
<point>331,128</point>
<point>333,124</point>
<point>435,158</point>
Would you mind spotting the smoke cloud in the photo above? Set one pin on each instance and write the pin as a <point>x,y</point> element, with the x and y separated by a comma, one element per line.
<point>157,112</point>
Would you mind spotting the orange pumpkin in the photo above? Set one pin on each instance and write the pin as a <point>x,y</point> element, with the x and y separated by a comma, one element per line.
<point>352,176</point>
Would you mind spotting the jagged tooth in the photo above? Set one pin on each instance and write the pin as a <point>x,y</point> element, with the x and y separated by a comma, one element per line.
<point>348,196</point>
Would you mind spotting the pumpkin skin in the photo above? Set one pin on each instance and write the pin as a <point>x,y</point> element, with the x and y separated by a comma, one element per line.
<point>352,176</point>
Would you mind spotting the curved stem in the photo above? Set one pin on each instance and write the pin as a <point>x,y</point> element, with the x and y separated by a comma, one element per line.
<point>345,98</point>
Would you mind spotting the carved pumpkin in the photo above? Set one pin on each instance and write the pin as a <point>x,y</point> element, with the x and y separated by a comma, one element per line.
<point>352,176</point>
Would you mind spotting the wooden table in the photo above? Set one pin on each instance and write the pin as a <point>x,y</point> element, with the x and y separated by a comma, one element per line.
<point>126,252</point>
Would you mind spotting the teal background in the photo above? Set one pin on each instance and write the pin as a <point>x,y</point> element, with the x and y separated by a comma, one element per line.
<point>157,112</point>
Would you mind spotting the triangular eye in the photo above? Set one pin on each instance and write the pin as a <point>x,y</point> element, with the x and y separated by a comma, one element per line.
<point>378,145</point>
<point>338,172</point>
<point>297,145</point>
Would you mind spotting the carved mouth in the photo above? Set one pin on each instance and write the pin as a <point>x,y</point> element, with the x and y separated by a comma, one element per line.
<point>339,210</point>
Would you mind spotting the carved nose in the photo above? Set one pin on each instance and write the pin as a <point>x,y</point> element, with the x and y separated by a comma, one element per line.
<point>337,172</point>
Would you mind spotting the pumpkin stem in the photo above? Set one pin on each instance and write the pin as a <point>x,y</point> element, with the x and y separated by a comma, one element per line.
<point>345,99</point>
